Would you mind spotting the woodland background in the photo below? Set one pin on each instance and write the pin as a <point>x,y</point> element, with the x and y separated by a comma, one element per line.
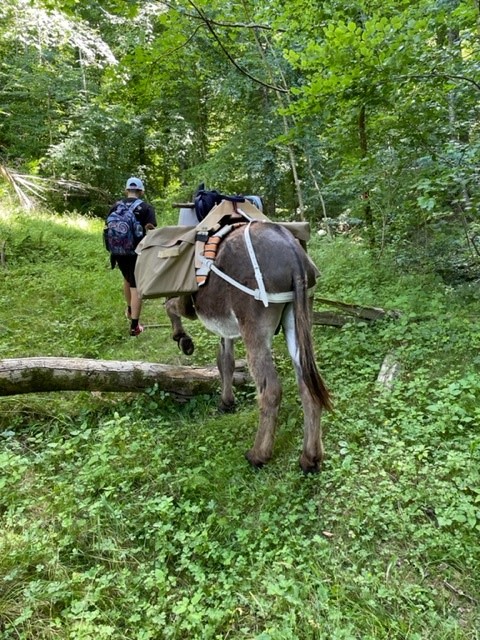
<point>364,108</point>
<point>131,516</point>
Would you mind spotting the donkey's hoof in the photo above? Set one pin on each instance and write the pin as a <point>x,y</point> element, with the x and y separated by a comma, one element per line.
<point>185,343</point>
<point>309,465</point>
<point>227,407</point>
<point>253,460</point>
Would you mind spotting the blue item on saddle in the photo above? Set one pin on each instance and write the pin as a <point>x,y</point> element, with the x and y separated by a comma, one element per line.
<point>256,201</point>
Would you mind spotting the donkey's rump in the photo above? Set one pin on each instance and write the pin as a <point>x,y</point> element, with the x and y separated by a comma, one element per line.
<point>231,308</point>
<point>275,248</point>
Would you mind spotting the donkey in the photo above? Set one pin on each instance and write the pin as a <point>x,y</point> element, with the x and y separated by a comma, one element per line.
<point>232,313</point>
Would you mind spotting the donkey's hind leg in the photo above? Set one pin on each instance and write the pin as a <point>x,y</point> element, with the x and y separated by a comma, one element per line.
<point>226,367</point>
<point>176,308</point>
<point>313,453</point>
<point>269,393</point>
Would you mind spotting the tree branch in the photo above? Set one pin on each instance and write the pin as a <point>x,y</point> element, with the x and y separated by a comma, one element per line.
<point>451,76</point>
<point>244,72</point>
<point>232,25</point>
<point>169,53</point>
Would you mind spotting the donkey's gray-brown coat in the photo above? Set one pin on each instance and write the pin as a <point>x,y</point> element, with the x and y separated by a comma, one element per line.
<point>231,314</point>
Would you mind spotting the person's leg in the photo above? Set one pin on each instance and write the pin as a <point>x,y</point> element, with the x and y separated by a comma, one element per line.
<point>126,265</point>
<point>128,298</point>
<point>135,303</point>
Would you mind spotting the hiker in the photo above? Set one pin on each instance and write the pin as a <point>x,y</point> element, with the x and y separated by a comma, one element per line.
<point>126,259</point>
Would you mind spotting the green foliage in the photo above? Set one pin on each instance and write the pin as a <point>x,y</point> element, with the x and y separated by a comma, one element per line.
<point>409,69</point>
<point>133,516</point>
<point>368,109</point>
<point>100,150</point>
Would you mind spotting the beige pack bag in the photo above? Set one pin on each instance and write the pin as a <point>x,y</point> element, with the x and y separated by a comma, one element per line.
<point>165,264</point>
<point>166,256</point>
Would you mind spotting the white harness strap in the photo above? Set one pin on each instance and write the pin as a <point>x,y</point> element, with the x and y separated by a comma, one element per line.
<point>246,216</point>
<point>260,293</point>
<point>256,293</point>
<point>256,267</point>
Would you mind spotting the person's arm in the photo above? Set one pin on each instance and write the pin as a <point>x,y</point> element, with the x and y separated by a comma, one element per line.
<point>151,220</point>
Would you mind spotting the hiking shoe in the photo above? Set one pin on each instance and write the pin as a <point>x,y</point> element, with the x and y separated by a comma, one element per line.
<point>128,314</point>
<point>138,329</point>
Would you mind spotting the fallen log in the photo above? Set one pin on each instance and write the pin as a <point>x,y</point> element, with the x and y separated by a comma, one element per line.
<point>328,318</point>
<point>33,375</point>
<point>332,319</point>
<point>354,311</point>
<point>183,205</point>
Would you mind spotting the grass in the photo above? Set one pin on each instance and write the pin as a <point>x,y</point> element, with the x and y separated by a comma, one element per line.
<point>130,516</point>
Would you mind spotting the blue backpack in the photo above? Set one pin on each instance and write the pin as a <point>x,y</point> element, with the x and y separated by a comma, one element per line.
<point>122,230</point>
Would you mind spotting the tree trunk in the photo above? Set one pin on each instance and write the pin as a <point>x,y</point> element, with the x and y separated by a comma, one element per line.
<point>367,207</point>
<point>32,375</point>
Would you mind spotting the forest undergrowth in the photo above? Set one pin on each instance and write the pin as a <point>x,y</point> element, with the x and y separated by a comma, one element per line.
<point>132,516</point>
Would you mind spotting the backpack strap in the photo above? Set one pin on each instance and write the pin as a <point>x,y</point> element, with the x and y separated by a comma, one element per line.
<point>134,205</point>
<point>233,198</point>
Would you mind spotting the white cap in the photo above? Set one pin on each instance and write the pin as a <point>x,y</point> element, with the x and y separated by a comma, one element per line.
<point>134,184</point>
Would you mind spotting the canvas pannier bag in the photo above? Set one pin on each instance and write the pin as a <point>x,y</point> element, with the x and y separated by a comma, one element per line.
<point>165,264</point>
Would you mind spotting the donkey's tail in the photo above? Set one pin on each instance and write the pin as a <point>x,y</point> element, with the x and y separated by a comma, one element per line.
<point>309,370</point>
